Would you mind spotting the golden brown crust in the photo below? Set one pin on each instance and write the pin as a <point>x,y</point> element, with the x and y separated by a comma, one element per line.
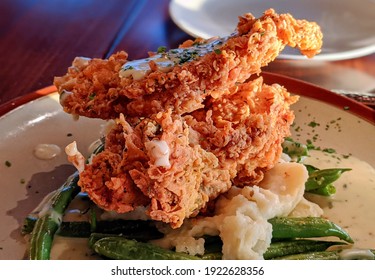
<point>234,139</point>
<point>220,128</point>
<point>99,92</point>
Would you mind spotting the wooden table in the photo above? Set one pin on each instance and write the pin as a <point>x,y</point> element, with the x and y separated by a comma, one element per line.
<point>40,38</point>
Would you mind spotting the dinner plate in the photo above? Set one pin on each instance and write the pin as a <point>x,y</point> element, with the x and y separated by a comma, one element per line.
<point>38,118</point>
<point>348,26</point>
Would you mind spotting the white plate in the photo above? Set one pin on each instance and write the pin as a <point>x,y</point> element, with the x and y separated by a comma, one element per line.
<point>28,179</point>
<point>347,25</point>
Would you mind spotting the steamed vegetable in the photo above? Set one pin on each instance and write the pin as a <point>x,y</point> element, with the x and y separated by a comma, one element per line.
<point>119,248</point>
<point>320,181</point>
<point>346,254</point>
<point>46,226</point>
<point>306,227</point>
<point>321,178</point>
<point>284,248</point>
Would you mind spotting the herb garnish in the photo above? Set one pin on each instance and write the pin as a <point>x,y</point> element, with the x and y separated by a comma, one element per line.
<point>162,49</point>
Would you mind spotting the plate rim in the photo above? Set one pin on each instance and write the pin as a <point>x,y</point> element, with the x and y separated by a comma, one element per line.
<point>321,94</point>
<point>15,103</point>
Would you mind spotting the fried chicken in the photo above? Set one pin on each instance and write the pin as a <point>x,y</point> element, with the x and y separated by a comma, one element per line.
<point>174,165</point>
<point>190,124</point>
<point>245,128</point>
<point>181,79</point>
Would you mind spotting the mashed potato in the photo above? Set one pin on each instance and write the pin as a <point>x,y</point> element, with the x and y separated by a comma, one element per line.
<point>241,218</point>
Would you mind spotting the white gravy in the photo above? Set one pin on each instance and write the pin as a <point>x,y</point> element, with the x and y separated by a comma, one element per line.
<point>352,207</point>
<point>46,151</point>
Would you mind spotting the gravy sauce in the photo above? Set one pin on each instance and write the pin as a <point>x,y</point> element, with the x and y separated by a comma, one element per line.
<point>352,207</point>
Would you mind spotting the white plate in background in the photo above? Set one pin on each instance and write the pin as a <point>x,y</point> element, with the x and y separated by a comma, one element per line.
<point>348,26</point>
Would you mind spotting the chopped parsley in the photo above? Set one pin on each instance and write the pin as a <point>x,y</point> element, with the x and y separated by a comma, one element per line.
<point>8,163</point>
<point>187,55</point>
<point>162,49</point>
<point>313,124</point>
<point>92,96</point>
<point>329,150</point>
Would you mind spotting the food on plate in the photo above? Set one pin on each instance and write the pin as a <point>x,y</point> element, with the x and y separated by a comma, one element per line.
<point>175,165</point>
<point>180,79</point>
<point>196,150</point>
<point>173,158</point>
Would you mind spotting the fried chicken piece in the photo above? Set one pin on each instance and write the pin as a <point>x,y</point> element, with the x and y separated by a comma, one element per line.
<point>245,128</point>
<point>181,79</point>
<point>175,165</point>
<point>151,163</point>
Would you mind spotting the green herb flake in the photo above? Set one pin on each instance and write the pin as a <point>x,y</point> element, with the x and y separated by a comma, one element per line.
<point>22,181</point>
<point>313,124</point>
<point>162,49</point>
<point>92,96</point>
<point>8,163</point>
<point>346,108</point>
<point>217,51</point>
<point>329,150</point>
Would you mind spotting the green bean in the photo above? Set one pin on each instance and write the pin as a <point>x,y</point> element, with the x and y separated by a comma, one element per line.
<point>323,177</point>
<point>323,255</point>
<point>306,227</point>
<point>349,254</point>
<point>119,248</point>
<point>80,229</point>
<point>95,236</point>
<point>47,225</point>
<point>324,191</point>
<point>212,256</point>
<point>310,168</point>
<point>93,219</point>
<point>283,248</point>
<point>132,229</point>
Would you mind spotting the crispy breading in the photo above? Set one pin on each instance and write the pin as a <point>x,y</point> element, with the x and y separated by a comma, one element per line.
<point>95,88</point>
<point>234,139</point>
<point>126,175</point>
<point>188,133</point>
<point>245,128</point>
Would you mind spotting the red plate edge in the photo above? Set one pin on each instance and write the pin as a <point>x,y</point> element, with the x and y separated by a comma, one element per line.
<point>18,101</point>
<point>315,92</point>
<point>291,84</point>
